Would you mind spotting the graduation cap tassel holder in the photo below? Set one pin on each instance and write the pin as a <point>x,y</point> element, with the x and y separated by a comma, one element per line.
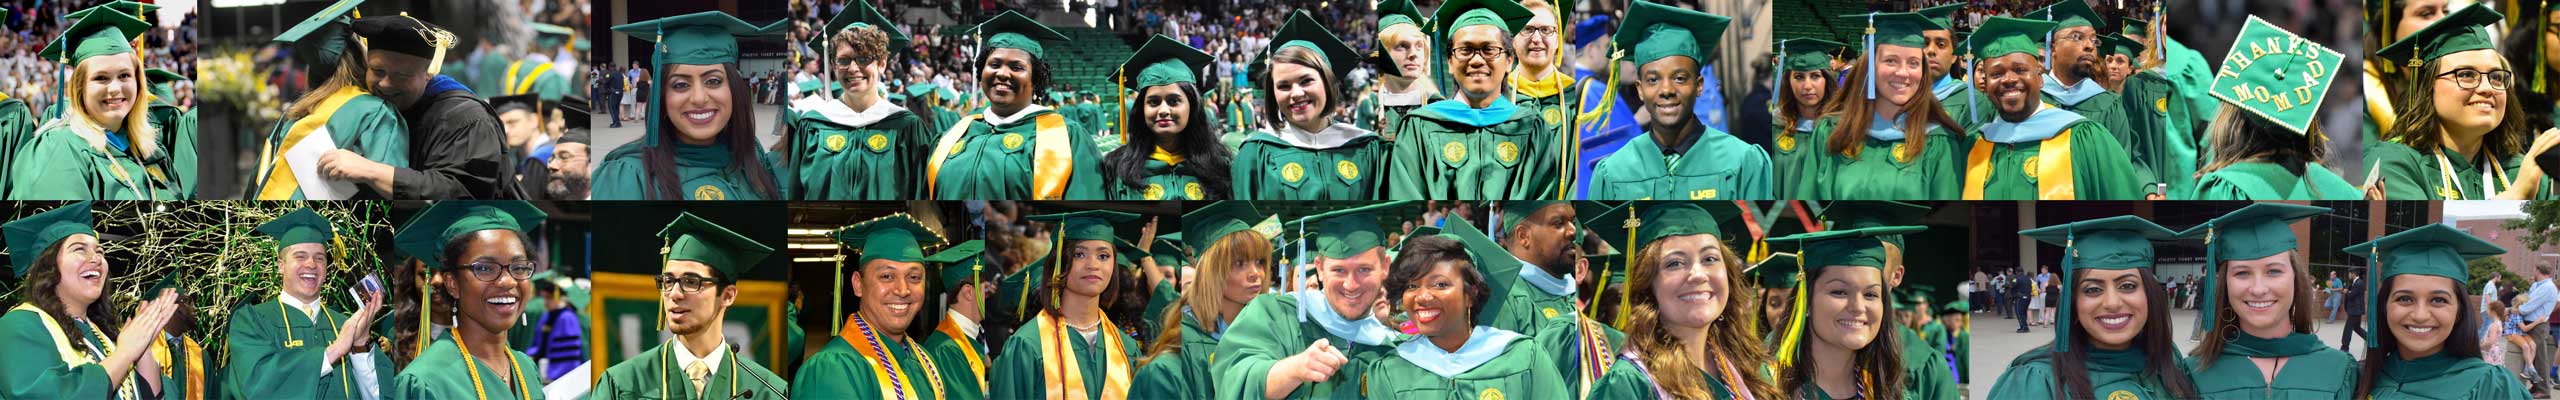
<point>835,315</point>
<point>2070,250</point>
<point>2373,256</point>
<point>2213,279</point>
<point>1795,318</point>
<point>1870,55</point>
<point>1632,222</point>
<point>666,247</point>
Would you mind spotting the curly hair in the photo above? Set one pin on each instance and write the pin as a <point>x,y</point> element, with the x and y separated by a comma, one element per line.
<point>44,277</point>
<point>1732,338</point>
<point>1423,254</point>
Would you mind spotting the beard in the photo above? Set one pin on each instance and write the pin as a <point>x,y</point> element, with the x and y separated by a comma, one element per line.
<point>568,185</point>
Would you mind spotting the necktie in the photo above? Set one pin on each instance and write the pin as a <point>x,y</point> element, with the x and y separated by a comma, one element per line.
<point>699,372</point>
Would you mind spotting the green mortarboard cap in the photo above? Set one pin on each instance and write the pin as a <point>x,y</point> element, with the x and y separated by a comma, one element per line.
<point>2114,243</point>
<point>1654,31</point>
<point>425,235</point>
<point>167,281</point>
<point>1861,247</point>
<point>691,238</point>
<point>1605,227</point>
<point>1909,298</point>
<point>2001,36</point>
<point>1086,225</point>
<point>298,227</point>
<point>1127,254</point>
<point>1514,211</point>
<point>702,38</point>
<point>958,263</point>
<point>137,9</point>
<point>1168,253</point>
<point>861,13</point>
<point>1348,232</point>
<point>922,89</point>
<point>1668,219</point>
<point>1941,16</point>
<point>2135,26</point>
<point>1869,214</point>
<point>102,32</point>
<point>548,37</point>
<point>1210,224</point>
<point>1303,30</point>
<point>30,236</point>
<point>1011,30</point>
<point>1492,262</point>
<point>2120,45</point>
<point>2464,30</point>
<point>1776,272</point>
<point>323,33</point>
<point>1392,12</point>
<point>897,237</point>
<point>2067,14</point>
<point>160,81</point>
<point>1807,54</point>
<point>1161,61</point>
<point>2276,76</point>
<point>1896,29</point>
<point>1957,306</point>
<point>2433,250</point>
<point>1506,14</point>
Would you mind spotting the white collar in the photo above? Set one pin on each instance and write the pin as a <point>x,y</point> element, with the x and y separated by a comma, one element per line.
<point>1333,135</point>
<point>308,309</point>
<point>837,111</point>
<point>993,119</point>
<point>967,326</point>
<point>685,357</point>
<point>1415,94</point>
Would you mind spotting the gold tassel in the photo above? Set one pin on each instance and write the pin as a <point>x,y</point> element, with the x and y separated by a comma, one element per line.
<point>835,312</point>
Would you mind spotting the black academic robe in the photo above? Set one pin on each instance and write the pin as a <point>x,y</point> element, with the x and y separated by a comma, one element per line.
<point>457,150</point>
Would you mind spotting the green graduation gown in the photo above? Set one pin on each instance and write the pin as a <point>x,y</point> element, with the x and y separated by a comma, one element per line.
<point>1151,318</point>
<point>841,371</point>
<point>2099,168</point>
<point>2312,371</point>
<point>2409,174</point>
<point>1276,326</point>
<point>2107,109</point>
<point>2111,374</point>
<point>986,161</point>
<point>364,124</point>
<point>2165,147</point>
<point>961,358</point>
<point>1515,373</point>
<point>2444,376</point>
<point>538,78</point>
<point>1379,111</point>
<point>702,173</point>
<point>1183,374</point>
<point>1164,181</point>
<point>1627,381</point>
<point>60,165</point>
<point>1448,151</point>
<point>275,353</point>
<point>1924,374</point>
<point>439,373</point>
<point>17,127</point>
<point>845,154</point>
<point>2268,181</point>
<point>177,128</point>
<point>1553,322</point>
<point>36,367</point>
<point>1714,166</point>
<point>1268,167</point>
<point>1882,170</point>
<point>1017,374</point>
<point>653,375</point>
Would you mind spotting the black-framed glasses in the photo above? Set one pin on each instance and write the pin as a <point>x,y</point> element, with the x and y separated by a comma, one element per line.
<point>487,271</point>
<point>2469,79</point>
<point>690,284</point>
<point>1484,52</point>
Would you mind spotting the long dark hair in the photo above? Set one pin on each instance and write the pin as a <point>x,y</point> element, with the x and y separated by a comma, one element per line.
<point>2463,342</point>
<point>1787,107</point>
<point>2417,126</point>
<point>43,277</point>
<point>2237,137</point>
<point>1880,361</point>
<point>1854,113</point>
<point>739,136</point>
<point>2071,369</point>
<point>1054,287</point>
<point>1734,337</point>
<point>1203,155</point>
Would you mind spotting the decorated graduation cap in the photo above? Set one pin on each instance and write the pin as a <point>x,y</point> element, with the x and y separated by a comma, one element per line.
<point>1844,248</point>
<point>1654,31</point>
<point>425,235</point>
<point>1888,29</point>
<point>1012,30</point>
<point>1941,17</point>
<point>958,264</point>
<point>2252,232</point>
<point>2434,250</point>
<point>861,14</point>
<point>2275,81</point>
<point>30,236</point>
<point>321,37</point>
<point>703,38</point>
<point>2114,243</point>
<point>1400,12</point>
<point>2464,30</point>
<point>298,227</point>
<point>404,34</point>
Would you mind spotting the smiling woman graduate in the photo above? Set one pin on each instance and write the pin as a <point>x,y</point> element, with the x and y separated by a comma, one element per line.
<point>700,142</point>
<point>479,251</point>
<point>858,145</point>
<point>1173,150</point>
<point>103,146</point>
<point>1307,156</point>
<point>2258,299</point>
<point>2460,136</point>
<point>1843,280</point>
<point>1887,139</point>
<point>1015,148</point>
<point>1687,333</point>
<point>1235,269</point>
<point>2115,313</point>
<point>60,333</point>
<point>342,104</point>
<point>1677,157</point>
<point>1438,283</point>
<point>2423,338</point>
<point>697,282</point>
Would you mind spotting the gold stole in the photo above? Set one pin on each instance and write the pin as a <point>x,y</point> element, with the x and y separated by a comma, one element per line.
<point>1595,354</point>
<point>2052,168</point>
<point>968,350</point>
<point>280,183</point>
<point>1061,375</point>
<point>885,365</point>
<point>942,149</point>
<point>73,358</point>
<point>194,380</point>
<point>1051,159</point>
<point>519,82</point>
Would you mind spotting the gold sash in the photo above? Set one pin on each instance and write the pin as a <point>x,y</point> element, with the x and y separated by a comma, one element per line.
<point>280,184</point>
<point>519,82</point>
<point>2052,169</point>
<point>968,351</point>
<point>1061,375</point>
<point>194,380</point>
<point>885,366</point>
<point>1052,161</point>
<point>942,150</point>
<point>73,358</point>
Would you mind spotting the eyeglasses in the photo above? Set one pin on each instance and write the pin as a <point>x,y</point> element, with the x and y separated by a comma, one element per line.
<point>487,271</point>
<point>1539,30</point>
<point>2469,79</point>
<point>2077,37</point>
<point>1486,52</point>
<point>689,283</point>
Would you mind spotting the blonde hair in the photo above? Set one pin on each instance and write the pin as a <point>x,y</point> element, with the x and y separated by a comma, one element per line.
<point>350,72</point>
<point>137,120</point>
<point>1206,290</point>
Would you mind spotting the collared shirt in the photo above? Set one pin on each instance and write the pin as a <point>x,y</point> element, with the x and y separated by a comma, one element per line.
<point>967,326</point>
<point>2537,305</point>
<point>685,357</point>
